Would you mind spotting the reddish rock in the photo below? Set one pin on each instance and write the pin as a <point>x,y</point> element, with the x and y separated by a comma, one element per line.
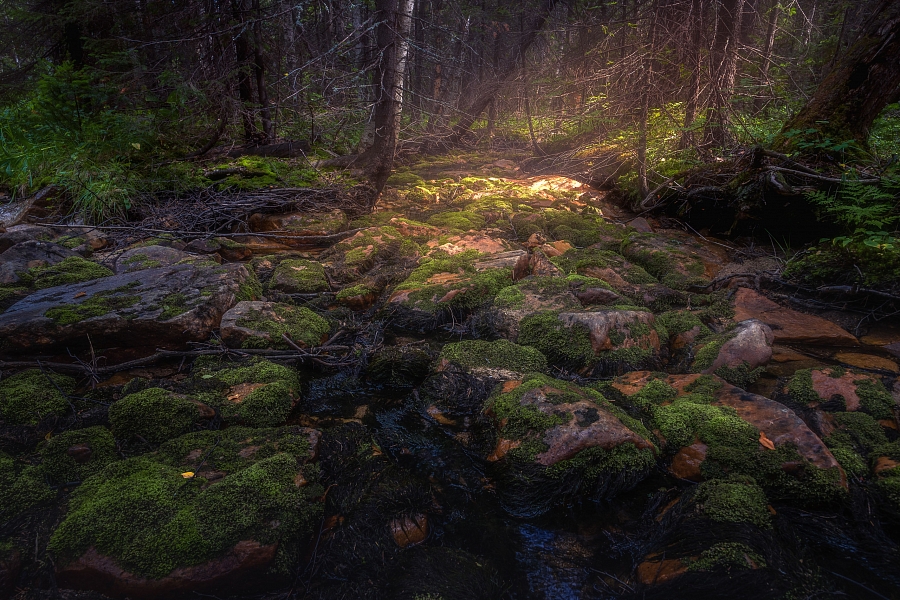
<point>789,326</point>
<point>300,223</point>
<point>597,295</point>
<point>410,530</point>
<point>589,426</point>
<point>751,344</point>
<point>80,453</point>
<point>827,386</point>
<point>602,323</point>
<point>473,241</point>
<point>640,224</point>
<point>686,462</point>
<point>239,567</point>
<point>867,361</point>
<point>504,445</point>
<point>652,572</point>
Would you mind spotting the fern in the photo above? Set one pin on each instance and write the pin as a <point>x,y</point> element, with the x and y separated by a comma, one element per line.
<point>868,212</point>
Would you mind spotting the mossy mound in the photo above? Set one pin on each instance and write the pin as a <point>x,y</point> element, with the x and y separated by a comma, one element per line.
<point>558,440</point>
<point>361,252</point>
<point>297,276</point>
<point>78,454</point>
<point>152,513</point>
<point>303,326</point>
<point>856,263</point>
<point>22,486</point>
<point>444,286</point>
<point>154,415</point>
<point>676,264</point>
<point>593,262</point>
<point>498,355</point>
<point>733,500</point>
<point>259,394</point>
<point>71,270</point>
<point>400,366</point>
<point>563,346</point>
<point>849,390</point>
<point>29,397</point>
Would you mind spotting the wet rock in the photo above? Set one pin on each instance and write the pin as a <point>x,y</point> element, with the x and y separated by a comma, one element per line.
<point>254,324</point>
<point>503,260</point>
<point>27,255</point>
<point>150,257</point>
<point>368,249</point>
<point>789,326</point>
<point>409,530</point>
<point>867,361</point>
<point>300,223</point>
<point>25,233</point>
<point>166,306</point>
<point>597,295</point>
<point>581,339</point>
<point>361,296</point>
<point>567,434</point>
<point>640,225</point>
<point>750,343</point>
<point>528,297</point>
<point>677,260</point>
<point>478,242</point>
<point>686,462</point>
<point>196,532</point>
<point>299,277</point>
<point>850,391</point>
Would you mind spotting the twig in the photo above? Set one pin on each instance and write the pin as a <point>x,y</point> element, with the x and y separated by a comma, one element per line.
<point>818,177</point>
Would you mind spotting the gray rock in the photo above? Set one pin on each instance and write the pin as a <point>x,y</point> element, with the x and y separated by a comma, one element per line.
<point>150,257</point>
<point>32,253</point>
<point>166,306</point>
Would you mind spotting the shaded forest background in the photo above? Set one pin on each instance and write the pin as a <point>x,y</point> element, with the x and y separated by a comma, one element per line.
<point>112,101</point>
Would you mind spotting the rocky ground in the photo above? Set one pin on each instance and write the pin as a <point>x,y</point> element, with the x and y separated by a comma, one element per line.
<point>492,386</point>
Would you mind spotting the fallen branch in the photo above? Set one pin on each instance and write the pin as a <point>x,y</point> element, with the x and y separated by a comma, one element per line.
<point>818,177</point>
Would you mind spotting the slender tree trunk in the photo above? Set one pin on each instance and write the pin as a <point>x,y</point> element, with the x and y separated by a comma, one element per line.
<point>852,95</point>
<point>243,58</point>
<point>724,69</point>
<point>771,29</point>
<point>647,82</point>
<point>395,18</point>
<point>259,66</point>
<point>695,20</point>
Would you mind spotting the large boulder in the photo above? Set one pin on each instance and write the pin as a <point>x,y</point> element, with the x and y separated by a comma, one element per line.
<point>26,255</point>
<point>166,306</point>
<point>210,511</point>
<point>255,324</point>
<point>557,440</point>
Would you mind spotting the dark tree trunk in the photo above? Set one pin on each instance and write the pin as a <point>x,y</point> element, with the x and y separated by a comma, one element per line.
<point>395,17</point>
<point>724,69</point>
<point>861,83</point>
<point>259,66</point>
<point>695,25</point>
<point>244,63</point>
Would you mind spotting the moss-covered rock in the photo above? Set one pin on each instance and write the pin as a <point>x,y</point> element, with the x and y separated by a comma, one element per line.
<point>154,415</point>
<point>461,220</point>
<point>22,486</point>
<point>71,270</point>
<point>557,439</point>
<point>835,385</point>
<point>734,500</point>
<point>299,277</point>
<point>259,394</point>
<point>76,455</point>
<point>677,263</point>
<point>264,325</point>
<point>194,501</point>
<point>494,357</point>
<point>29,397</point>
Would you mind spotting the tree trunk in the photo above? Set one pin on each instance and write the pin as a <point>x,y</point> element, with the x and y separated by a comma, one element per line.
<point>395,18</point>
<point>695,20</point>
<point>767,51</point>
<point>243,59</point>
<point>852,95</point>
<point>259,67</point>
<point>724,69</point>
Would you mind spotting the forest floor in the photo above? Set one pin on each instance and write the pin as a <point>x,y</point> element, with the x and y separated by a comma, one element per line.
<point>495,385</point>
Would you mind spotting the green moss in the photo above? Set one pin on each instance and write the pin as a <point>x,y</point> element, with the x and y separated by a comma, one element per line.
<point>154,414</point>
<point>510,297</point>
<point>673,265</point>
<point>71,270</point>
<point>680,321</point>
<point>800,387</point>
<point>736,500</point>
<point>405,180</point>
<point>655,393</point>
<point>852,463</point>
<point>479,287</point>
<point>681,421</point>
<point>300,324</point>
<point>299,276</point>
<point>355,290</point>
<point>560,344</point>
<point>28,397</point>
<point>59,465</point>
<point>21,487</point>
<point>141,261</point>
<point>250,289</point>
<point>727,555</point>
<point>258,371</point>
<point>462,220</point>
<point>874,398</point>
<point>593,464</point>
<point>97,305</point>
<point>708,354</point>
<point>581,261</point>
<point>520,420</point>
<point>146,516</point>
<point>705,385</point>
<point>173,305</point>
<point>856,430</point>
<point>266,406</point>
<point>500,354</point>
<point>741,376</point>
<point>263,405</point>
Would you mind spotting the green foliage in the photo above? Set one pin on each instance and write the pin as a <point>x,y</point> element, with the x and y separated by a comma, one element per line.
<point>736,500</point>
<point>567,346</point>
<point>59,464</point>
<point>71,270</point>
<point>868,212</point>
